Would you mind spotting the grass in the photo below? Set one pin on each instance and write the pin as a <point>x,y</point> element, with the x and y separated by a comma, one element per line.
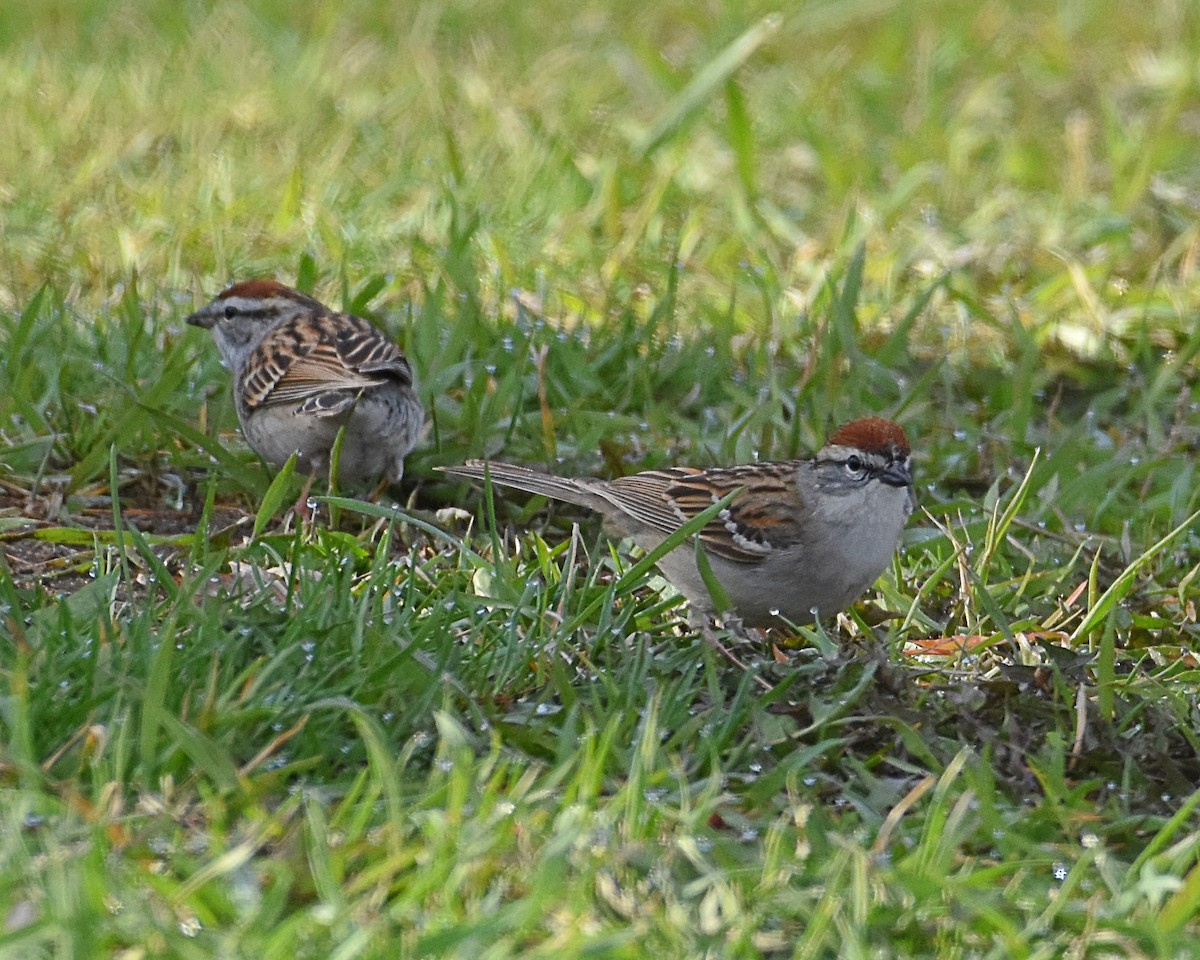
<point>608,236</point>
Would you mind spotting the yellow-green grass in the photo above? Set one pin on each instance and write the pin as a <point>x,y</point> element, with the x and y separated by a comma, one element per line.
<point>609,236</point>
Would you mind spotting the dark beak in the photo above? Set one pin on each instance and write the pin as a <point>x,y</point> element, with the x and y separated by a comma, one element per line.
<point>202,318</point>
<point>898,473</point>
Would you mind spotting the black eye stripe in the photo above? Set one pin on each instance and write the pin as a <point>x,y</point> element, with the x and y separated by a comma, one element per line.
<point>256,313</point>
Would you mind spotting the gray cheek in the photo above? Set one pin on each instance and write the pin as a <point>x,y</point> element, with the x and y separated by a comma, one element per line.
<point>235,344</point>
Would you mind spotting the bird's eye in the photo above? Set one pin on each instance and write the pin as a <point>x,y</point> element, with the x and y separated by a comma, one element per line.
<point>854,464</point>
<point>230,311</point>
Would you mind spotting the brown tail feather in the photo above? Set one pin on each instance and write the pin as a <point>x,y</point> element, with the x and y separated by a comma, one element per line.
<point>568,489</point>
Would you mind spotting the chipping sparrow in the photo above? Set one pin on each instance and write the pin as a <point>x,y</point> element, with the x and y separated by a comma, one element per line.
<point>804,538</point>
<point>301,372</point>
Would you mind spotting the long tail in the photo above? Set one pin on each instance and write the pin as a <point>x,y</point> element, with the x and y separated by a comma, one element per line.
<point>569,489</point>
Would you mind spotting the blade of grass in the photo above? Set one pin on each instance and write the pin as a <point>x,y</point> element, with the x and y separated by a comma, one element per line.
<point>209,756</point>
<point>1122,585</point>
<point>632,577</point>
<point>400,516</point>
<point>741,136</point>
<point>999,522</point>
<point>687,103</point>
<point>1181,908</point>
<point>379,751</point>
<point>154,699</point>
<point>1099,609</point>
<point>231,465</point>
<point>720,597</point>
<point>161,574</point>
<point>1181,820</point>
<point>275,497</point>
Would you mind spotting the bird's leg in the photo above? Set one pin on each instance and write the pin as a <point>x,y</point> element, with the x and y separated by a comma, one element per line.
<point>732,624</point>
<point>305,511</point>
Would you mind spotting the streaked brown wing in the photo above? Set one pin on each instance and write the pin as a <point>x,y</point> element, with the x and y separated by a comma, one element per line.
<point>751,527</point>
<point>287,368</point>
<point>365,349</point>
<point>643,496</point>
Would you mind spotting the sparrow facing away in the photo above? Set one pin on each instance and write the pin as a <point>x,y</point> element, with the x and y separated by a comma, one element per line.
<point>302,372</point>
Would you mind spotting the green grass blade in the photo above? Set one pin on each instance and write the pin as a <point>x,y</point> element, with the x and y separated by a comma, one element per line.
<point>633,577</point>
<point>278,493</point>
<point>1122,585</point>
<point>692,98</point>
